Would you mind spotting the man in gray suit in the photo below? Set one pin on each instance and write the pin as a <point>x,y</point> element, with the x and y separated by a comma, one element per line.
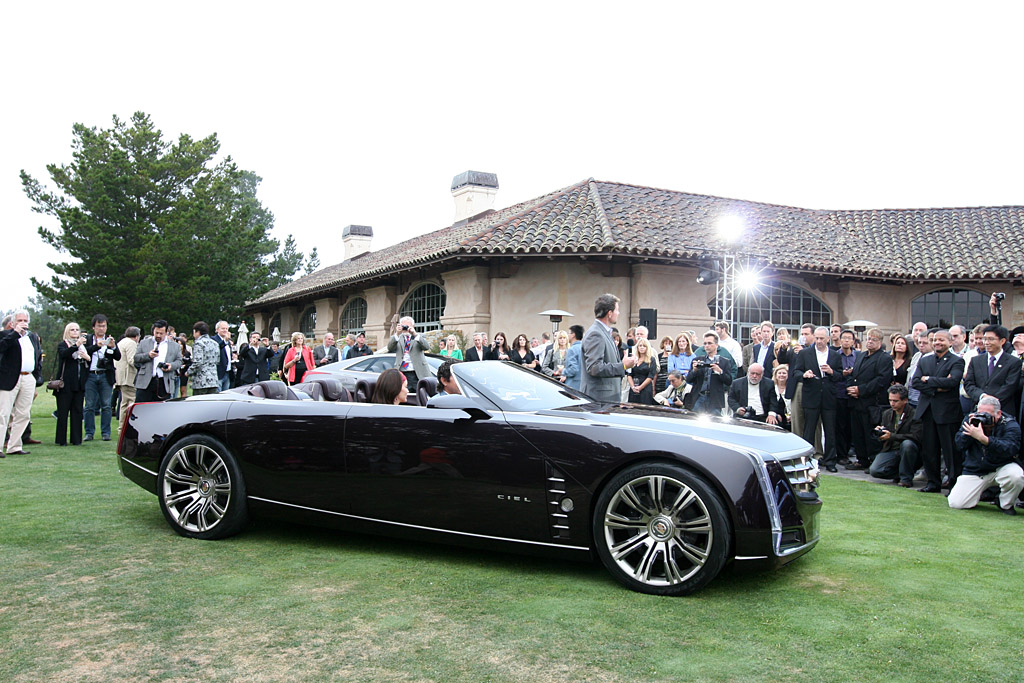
<point>602,370</point>
<point>157,359</point>
<point>409,347</point>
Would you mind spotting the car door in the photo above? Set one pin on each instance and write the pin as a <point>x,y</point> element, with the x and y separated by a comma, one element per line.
<point>292,451</point>
<point>438,468</point>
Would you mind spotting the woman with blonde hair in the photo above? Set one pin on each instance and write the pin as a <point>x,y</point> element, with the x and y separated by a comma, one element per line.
<point>780,375</point>
<point>554,359</point>
<point>641,376</point>
<point>74,370</point>
<point>298,360</point>
<point>783,348</point>
<point>451,349</point>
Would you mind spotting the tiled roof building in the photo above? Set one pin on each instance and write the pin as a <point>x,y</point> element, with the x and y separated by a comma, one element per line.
<point>597,236</point>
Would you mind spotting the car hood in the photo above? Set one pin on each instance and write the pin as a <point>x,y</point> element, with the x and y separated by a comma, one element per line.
<point>733,432</point>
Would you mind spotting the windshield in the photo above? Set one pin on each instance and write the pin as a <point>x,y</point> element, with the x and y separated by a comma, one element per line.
<point>514,388</point>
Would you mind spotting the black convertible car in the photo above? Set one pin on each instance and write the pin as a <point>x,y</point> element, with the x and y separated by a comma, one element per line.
<point>665,499</point>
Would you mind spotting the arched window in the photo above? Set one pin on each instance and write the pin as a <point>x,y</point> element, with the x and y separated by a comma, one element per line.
<point>426,306</point>
<point>946,307</point>
<point>784,304</point>
<point>275,323</point>
<point>353,318</point>
<point>307,323</point>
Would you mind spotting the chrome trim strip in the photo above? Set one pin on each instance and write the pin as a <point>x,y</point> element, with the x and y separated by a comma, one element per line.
<point>751,557</point>
<point>126,460</point>
<point>790,551</point>
<point>417,526</point>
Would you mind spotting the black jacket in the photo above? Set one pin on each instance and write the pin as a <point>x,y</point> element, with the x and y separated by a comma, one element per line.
<point>1001,449</point>
<point>940,395</point>
<point>70,368</point>
<point>909,428</point>
<point>106,362</point>
<point>718,385</point>
<point>739,394</point>
<point>1004,383</point>
<point>872,375</point>
<point>10,359</point>
<point>820,389</point>
<point>250,358</point>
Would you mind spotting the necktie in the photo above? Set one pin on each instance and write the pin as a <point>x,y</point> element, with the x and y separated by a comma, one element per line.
<point>991,365</point>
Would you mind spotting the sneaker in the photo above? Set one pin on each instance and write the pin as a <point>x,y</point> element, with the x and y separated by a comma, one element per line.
<point>107,437</point>
<point>88,437</point>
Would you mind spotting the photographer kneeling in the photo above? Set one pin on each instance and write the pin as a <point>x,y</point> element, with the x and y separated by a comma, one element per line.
<point>900,435</point>
<point>989,440</point>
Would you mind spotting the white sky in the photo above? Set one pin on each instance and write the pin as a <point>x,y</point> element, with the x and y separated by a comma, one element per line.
<point>363,114</point>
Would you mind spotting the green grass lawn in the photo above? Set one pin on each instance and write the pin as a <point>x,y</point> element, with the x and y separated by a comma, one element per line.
<point>97,587</point>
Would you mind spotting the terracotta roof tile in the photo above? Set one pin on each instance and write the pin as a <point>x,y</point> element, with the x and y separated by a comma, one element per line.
<point>615,218</point>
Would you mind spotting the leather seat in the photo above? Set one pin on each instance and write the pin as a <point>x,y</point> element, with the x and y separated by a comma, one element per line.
<point>274,389</point>
<point>312,389</point>
<point>364,389</point>
<point>332,389</point>
<point>426,388</point>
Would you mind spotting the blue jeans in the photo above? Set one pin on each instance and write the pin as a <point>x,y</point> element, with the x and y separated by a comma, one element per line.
<point>97,398</point>
<point>225,382</point>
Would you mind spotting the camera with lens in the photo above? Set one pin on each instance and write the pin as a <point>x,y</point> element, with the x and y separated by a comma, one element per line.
<point>983,420</point>
<point>405,328</point>
<point>705,362</point>
<point>749,412</point>
<point>999,296</point>
<point>878,431</point>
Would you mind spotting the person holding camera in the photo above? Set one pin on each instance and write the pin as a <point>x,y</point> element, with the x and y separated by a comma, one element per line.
<point>99,387</point>
<point>157,359</point>
<point>409,347</point>
<point>710,376</point>
<point>900,435</point>
<point>751,397</point>
<point>989,440</point>
<point>73,362</point>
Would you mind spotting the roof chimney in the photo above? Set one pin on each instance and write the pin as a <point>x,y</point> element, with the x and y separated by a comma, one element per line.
<point>356,239</point>
<point>474,193</point>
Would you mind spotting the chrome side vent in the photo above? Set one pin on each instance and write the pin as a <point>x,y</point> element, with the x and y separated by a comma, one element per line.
<point>801,470</point>
<point>559,504</point>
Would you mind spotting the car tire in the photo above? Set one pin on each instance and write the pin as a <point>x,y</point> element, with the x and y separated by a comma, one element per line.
<point>661,529</point>
<point>201,490</point>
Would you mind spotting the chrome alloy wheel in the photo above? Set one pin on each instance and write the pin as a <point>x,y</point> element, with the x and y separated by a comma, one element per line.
<point>196,488</point>
<point>658,530</point>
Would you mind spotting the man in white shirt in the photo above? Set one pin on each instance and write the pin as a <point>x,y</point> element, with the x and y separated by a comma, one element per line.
<point>728,343</point>
<point>20,374</point>
<point>157,360</point>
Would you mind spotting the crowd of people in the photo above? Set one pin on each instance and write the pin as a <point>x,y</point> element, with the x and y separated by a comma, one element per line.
<point>945,401</point>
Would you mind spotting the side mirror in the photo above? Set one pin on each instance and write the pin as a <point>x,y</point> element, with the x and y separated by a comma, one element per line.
<point>459,402</point>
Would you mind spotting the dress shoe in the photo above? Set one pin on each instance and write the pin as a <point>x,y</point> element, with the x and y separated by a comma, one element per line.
<point>856,466</point>
<point>18,452</point>
<point>831,468</point>
<point>2,455</point>
<point>930,488</point>
<point>88,437</point>
<point>1008,511</point>
<point>945,483</point>
<point>32,442</point>
<point>905,484</point>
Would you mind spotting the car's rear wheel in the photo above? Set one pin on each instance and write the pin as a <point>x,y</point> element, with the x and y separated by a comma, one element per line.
<point>661,529</point>
<point>201,490</point>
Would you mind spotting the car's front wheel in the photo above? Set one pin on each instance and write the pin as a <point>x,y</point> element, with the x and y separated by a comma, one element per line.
<point>661,529</point>
<point>201,490</point>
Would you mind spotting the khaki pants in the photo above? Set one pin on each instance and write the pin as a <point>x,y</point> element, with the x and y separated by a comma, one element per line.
<point>968,487</point>
<point>127,399</point>
<point>16,407</point>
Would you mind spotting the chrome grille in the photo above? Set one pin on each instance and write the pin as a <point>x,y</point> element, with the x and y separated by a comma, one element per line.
<point>801,469</point>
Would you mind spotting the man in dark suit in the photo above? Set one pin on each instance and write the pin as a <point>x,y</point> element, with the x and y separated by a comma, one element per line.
<point>711,377</point>
<point>251,358</point>
<point>938,379</point>
<point>602,369</point>
<point>866,385</point>
<point>900,438</point>
<point>477,351</point>
<point>99,386</point>
<point>227,354</point>
<point>157,359</point>
<point>844,431</point>
<point>21,357</point>
<point>764,353</point>
<point>753,391</point>
<point>818,368</point>
<point>995,373</point>
<point>327,352</point>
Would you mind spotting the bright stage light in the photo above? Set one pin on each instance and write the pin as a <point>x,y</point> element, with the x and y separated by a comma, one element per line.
<point>730,228</point>
<point>748,280</point>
